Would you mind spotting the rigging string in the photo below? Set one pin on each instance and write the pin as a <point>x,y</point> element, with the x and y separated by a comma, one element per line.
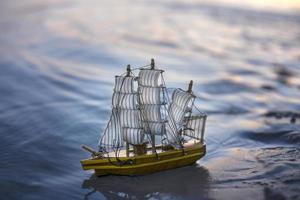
<point>134,69</point>
<point>167,113</point>
<point>202,113</point>
<point>115,127</point>
<point>185,125</point>
<point>116,147</point>
<point>121,162</point>
<point>173,125</point>
<point>204,116</point>
<point>101,149</point>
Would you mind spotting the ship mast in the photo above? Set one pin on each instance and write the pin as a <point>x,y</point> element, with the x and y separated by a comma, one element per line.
<point>178,109</point>
<point>152,64</point>
<point>150,92</point>
<point>125,123</point>
<point>127,74</point>
<point>153,135</point>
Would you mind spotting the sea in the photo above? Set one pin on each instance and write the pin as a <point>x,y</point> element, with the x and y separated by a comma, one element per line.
<point>58,60</point>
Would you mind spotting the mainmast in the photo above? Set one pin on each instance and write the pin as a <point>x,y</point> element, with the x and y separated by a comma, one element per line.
<point>150,102</point>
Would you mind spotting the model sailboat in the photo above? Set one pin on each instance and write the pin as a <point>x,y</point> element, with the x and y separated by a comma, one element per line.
<point>147,131</point>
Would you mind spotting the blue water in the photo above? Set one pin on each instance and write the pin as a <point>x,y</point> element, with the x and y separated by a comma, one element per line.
<point>58,60</point>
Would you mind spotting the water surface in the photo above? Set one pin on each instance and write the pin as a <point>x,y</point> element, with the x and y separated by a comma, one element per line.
<point>58,60</point>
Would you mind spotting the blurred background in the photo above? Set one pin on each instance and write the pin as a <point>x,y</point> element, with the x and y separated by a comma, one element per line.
<point>58,60</point>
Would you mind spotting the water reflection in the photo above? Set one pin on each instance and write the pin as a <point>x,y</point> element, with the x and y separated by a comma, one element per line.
<point>192,182</point>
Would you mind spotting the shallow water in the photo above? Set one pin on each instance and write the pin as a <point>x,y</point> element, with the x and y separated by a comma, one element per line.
<point>58,59</point>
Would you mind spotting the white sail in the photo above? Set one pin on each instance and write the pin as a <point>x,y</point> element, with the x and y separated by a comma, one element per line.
<point>125,121</point>
<point>150,100</point>
<point>179,105</point>
<point>156,128</point>
<point>112,136</point>
<point>130,118</point>
<point>149,77</point>
<point>149,95</point>
<point>151,112</point>
<point>177,111</point>
<point>133,135</point>
<point>195,126</point>
<point>124,84</point>
<point>124,100</point>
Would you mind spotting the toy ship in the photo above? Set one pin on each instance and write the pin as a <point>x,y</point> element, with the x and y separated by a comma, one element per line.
<point>148,131</point>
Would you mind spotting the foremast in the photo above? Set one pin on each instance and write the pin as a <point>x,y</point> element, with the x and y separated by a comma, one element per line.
<point>125,122</point>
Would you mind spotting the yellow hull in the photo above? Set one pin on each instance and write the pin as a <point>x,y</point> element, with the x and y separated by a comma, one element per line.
<point>146,164</point>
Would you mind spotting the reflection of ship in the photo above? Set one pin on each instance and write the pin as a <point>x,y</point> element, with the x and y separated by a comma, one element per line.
<point>143,116</point>
<point>190,182</point>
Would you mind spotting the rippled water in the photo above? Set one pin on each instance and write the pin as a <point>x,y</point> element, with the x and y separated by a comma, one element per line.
<point>58,59</point>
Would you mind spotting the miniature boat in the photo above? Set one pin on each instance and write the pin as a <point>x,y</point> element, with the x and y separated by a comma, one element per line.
<point>147,131</point>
